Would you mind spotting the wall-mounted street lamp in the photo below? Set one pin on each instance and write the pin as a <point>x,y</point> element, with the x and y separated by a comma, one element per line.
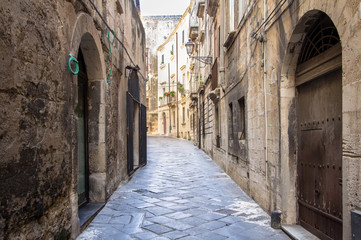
<point>204,59</point>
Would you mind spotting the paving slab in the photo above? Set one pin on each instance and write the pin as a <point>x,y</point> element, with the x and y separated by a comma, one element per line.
<point>180,194</point>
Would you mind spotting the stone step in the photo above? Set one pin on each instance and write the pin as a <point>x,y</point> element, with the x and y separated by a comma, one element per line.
<point>297,232</point>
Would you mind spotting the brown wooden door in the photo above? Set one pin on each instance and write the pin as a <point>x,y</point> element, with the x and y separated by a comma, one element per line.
<point>320,155</point>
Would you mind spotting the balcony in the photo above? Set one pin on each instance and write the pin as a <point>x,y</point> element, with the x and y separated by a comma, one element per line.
<point>230,39</point>
<point>162,101</point>
<point>194,84</point>
<point>212,8</point>
<point>167,101</point>
<point>193,28</point>
<point>201,7</point>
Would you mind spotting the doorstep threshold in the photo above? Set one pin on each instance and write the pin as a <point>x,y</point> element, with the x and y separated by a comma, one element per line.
<point>297,232</point>
<point>88,212</point>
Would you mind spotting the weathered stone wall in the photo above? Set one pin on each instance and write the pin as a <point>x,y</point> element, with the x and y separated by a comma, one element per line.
<point>38,125</point>
<point>36,161</point>
<point>262,69</point>
<point>158,29</point>
<point>132,34</point>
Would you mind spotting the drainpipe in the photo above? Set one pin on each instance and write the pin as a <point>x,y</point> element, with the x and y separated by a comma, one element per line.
<point>199,122</point>
<point>199,108</point>
<point>176,91</point>
<point>263,39</point>
<point>170,111</point>
<point>221,32</point>
<point>205,29</point>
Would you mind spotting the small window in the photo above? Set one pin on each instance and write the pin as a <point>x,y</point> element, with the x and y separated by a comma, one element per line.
<point>241,120</point>
<point>217,127</point>
<point>162,59</point>
<point>230,121</point>
<point>183,36</point>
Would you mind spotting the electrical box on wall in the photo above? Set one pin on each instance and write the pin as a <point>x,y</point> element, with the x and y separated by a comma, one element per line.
<point>356,224</point>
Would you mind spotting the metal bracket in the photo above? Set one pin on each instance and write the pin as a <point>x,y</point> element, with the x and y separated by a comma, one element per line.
<point>204,59</point>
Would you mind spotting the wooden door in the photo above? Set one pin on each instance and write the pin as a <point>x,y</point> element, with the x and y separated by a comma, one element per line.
<point>319,109</point>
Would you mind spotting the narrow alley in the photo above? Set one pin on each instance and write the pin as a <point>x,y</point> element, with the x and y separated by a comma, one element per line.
<point>180,119</point>
<point>180,194</point>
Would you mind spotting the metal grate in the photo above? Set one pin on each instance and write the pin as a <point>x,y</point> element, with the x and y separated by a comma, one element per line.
<point>321,37</point>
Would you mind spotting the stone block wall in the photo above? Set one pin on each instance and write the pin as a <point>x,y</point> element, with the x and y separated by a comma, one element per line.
<point>262,70</point>
<point>38,97</point>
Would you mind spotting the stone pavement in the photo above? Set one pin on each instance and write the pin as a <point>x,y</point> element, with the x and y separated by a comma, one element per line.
<point>180,194</point>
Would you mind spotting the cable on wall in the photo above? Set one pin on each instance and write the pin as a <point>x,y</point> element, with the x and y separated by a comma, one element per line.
<point>115,37</point>
<point>270,16</point>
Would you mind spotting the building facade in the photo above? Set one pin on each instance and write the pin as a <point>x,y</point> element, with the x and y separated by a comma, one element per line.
<point>64,115</point>
<point>174,82</point>
<point>278,106</point>
<point>157,29</point>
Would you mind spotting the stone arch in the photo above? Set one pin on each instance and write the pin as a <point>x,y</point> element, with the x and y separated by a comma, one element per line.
<point>86,37</point>
<point>288,136</point>
<point>86,34</point>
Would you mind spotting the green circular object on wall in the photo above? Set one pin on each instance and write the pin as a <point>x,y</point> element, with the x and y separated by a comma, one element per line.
<point>73,59</point>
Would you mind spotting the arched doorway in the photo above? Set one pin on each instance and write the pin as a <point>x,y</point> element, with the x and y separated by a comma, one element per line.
<point>89,151</point>
<point>313,72</point>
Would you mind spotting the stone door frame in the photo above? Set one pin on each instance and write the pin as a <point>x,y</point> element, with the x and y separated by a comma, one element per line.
<point>288,128</point>
<point>86,37</point>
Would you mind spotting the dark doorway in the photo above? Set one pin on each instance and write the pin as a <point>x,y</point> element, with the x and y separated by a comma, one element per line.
<point>82,114</point>
<point>135,123</point>
<point>130,135</point>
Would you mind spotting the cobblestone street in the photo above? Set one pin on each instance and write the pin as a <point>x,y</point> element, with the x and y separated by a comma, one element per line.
<point>180,194</point>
